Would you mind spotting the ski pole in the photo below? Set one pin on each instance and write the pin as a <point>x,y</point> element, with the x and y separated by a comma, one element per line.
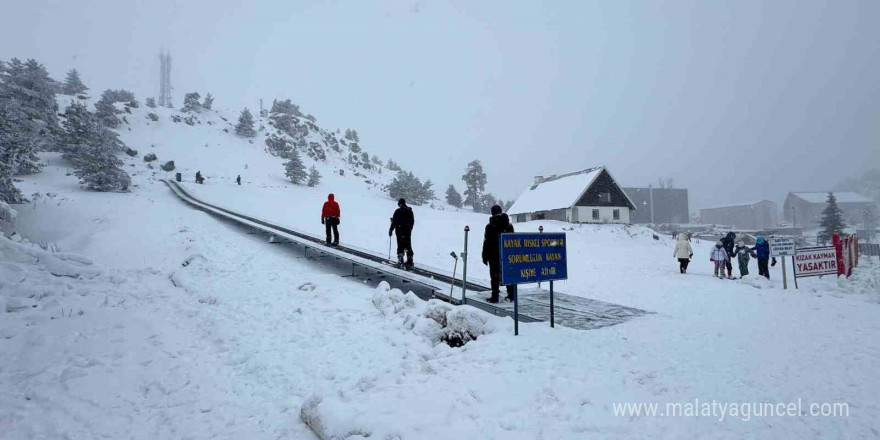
<point>389,240</point>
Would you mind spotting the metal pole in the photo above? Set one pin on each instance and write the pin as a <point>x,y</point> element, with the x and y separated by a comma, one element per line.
<point>795,272</point>
<point>464,255</point>
<point>515,310</point>
<point>651,196</point>
<point>784,277</point>
<point>540,231</point>
<point>552,320</point>
<point>452,285</point>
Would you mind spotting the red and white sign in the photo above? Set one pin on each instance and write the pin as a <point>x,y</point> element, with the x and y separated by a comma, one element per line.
<point>811,262</point>
<point>847,253</point>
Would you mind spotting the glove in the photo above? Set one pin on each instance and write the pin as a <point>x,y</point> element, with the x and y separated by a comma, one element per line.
<point>773,263</point>
<point>485,262</point>
<point>322,220</point>
<point>389,233</point>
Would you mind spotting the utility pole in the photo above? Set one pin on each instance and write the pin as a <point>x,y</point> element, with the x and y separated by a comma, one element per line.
<point>165,79</point>
<point>651,196</point>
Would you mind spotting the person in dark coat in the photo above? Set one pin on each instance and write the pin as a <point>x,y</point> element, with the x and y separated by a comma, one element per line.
<point>499,223</point>
<point>199,178</point>
<point>238,180</point>
<point>729,245</point>
<point>402,224</point>
<point>330,219</point>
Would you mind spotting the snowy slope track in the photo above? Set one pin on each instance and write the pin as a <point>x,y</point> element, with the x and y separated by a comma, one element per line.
<point>571,311</point>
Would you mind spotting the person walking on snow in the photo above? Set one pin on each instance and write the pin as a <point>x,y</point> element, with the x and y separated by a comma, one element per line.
<point>743,254</point>
<point>729,242</point>
<point>762,249</point>
<point>499,223</point>
<point>402,224</point>
<point>238,180</point>
<point>683,251</point>
<point>330,219</point>
<point>720,258</point>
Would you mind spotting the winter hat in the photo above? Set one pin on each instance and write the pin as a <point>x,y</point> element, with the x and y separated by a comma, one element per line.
<point>401,201</point>
<point>718,244</point>
<point>496,210</point>
<point>760,240</point>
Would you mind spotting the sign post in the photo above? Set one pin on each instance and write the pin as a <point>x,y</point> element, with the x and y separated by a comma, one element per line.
<point>782,247</point>
<point>529,258</point>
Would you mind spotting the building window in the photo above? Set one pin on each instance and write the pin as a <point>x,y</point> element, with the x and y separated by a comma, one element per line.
<point>616,214</point>
<point>595,214</point>
<point>605,197</point>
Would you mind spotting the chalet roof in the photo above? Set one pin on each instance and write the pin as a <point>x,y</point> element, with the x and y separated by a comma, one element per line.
<point>822,197</point>
<point>557,191</point>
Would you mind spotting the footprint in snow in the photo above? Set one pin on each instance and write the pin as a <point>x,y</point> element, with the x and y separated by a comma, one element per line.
<point>307,287</point>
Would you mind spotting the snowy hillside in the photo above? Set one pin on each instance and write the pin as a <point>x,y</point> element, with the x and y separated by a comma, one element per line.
<point>131,315</point>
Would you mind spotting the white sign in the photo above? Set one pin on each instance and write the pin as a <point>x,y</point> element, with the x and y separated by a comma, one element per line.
<point>810,262</point>
<point>781,246</point>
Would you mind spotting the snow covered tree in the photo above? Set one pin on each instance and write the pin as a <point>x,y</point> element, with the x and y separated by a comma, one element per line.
<point>376,160</point>
<point>91,148</point>
<point>393,166</point>
<point>453,197</point>
<point>487,201</point>
<point>72,84</point>
<point>191,103</point>
<point>294,168</point>
<point>209,101</point>
<point>406,185</point>
<point>354,147</point>
<point>365,157</point>
<point>283,116</point>
<point>245,126</point>
<point>426,192</point>
<point>832,219</point>
<point>314,176</point>
<point>475,183</point>
<point>15,146</point>
<point>151,102</point>
<point>31,89</point>
<point>105,108</point>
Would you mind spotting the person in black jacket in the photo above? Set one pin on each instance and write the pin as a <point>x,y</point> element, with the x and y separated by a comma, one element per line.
<point>402,224</point>
<point>729,244</point>
<point>499,223</point>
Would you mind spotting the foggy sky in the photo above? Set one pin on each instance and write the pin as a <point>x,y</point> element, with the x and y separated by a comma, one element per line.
<point>736,100</point>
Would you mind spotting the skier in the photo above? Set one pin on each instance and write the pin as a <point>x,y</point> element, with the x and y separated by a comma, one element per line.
<point>762,248</point>
<point>721,259</point>
<point>683,251</point>
<point>330,219</point>
<point>402,224</point>
<point>238,180</point>
<point>728,242</point>
<point>743,253</point>
<point>499,223</point>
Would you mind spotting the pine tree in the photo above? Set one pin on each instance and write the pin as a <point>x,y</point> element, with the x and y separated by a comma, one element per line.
<point>314,176</point>
<point>245,126</point>
<point>426,192</point>
<point>453,197</point>
<point>151,102</point>
<point>18,142</point>
<point>191,103</point>
<point>209,101</point>
<point>33,92</point>
<point>294,168</point>
<point>72,84</point>
<point>475,183</point>
<point>283,116</point>
<point>91,148</point>
<point>832,219</point>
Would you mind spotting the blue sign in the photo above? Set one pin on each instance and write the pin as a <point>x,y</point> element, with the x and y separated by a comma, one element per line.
<point>530,257</point>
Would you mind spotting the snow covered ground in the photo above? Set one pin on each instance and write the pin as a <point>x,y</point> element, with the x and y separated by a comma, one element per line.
<point>144,318</point>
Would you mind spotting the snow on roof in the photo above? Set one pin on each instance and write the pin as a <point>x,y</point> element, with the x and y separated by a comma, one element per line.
<point>842,197</point>
<point>736,205</point>
<point>555,192</point>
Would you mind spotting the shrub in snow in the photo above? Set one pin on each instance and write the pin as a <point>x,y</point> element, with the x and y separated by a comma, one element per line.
<point>72,84</point>
<point>168,166</point>
<point>151,102</point>
<point>191,103</point>
<point>131,152</point>
<point>153,117</point>
<point>149,157</point>
<point>7,214</point>
<point>209,102</point>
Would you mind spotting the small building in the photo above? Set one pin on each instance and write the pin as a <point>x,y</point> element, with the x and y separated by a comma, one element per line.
<point>659,205</point>
<point>587,196</point>
<point>805,208</point>
<point>751,216</point>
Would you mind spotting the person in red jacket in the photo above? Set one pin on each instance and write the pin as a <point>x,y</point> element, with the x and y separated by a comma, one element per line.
<point>330,219</point>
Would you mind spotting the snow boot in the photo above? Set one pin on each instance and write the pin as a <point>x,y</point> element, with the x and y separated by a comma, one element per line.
<point>400,260</point>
